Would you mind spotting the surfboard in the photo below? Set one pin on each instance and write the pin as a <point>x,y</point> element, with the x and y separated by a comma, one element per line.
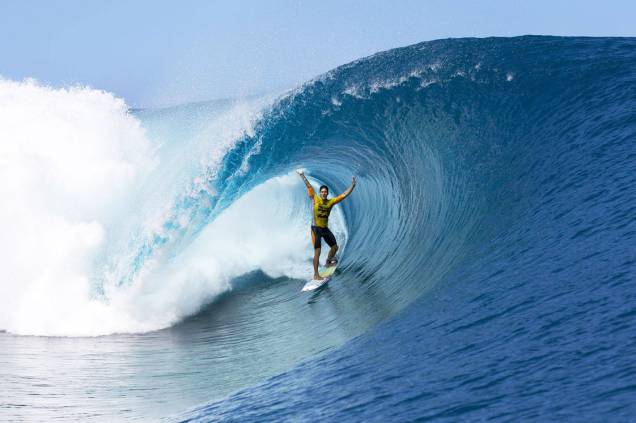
<point>314,284</point>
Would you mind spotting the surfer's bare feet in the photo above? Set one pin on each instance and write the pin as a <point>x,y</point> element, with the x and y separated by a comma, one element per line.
<point>318,277</point>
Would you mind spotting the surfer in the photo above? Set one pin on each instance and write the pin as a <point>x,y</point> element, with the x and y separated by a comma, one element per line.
<point>320,216</point>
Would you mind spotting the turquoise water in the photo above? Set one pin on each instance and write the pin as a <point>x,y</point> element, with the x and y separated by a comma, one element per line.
<point>487,261</point>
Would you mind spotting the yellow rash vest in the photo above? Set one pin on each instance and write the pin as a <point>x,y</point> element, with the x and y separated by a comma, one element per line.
<point>322,208</point>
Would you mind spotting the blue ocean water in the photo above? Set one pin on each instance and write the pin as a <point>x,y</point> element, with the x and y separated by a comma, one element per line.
<point>488,252</point>
<point>501,173</point>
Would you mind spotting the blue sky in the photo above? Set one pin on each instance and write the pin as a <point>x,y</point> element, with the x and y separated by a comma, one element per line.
<point>159,53</point>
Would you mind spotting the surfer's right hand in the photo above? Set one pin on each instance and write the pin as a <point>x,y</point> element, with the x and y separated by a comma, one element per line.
<point>300,172</point>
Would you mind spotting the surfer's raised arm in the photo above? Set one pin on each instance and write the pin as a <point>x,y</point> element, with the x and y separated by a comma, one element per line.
<point>310,189</point>
<point>347,191</point>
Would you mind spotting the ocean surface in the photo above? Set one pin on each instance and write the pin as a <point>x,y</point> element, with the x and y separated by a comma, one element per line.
<point>154,257</point>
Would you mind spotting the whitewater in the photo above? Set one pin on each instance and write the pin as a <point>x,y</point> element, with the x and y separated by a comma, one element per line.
<point>153,258</point>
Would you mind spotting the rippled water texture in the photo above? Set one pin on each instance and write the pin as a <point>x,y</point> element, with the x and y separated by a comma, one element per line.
<point>487,267</point>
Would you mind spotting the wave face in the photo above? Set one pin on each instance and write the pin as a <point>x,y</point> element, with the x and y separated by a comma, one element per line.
<point>496,197</point>
<point>500,172</point>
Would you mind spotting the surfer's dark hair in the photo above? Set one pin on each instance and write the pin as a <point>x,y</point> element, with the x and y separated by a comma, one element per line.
<point>325,187</point>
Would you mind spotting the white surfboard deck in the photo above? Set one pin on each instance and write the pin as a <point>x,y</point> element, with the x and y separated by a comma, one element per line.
<point>314,284</point>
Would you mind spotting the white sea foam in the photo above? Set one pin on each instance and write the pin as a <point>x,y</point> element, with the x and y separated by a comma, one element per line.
<point>74,166</point>
<point>70,160</point>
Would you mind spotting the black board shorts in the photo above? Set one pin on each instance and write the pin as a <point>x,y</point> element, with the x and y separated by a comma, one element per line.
<point>317,233</point>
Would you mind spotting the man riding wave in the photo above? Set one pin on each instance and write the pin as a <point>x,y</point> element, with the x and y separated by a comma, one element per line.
<point>320,217</point>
